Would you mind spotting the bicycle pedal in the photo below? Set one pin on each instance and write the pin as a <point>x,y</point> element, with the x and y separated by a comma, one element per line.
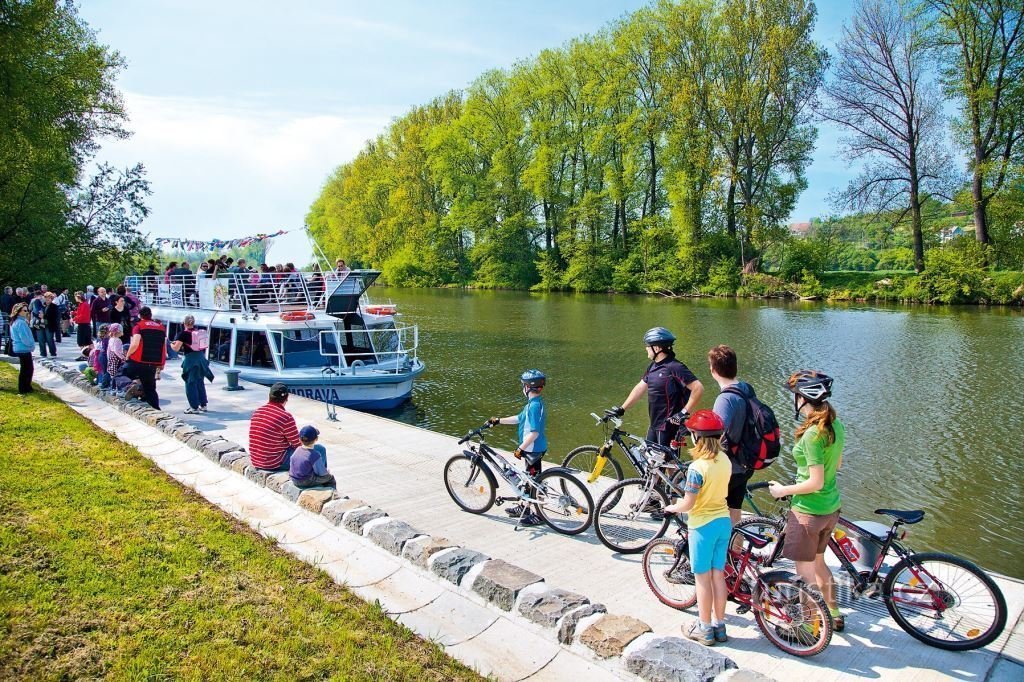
<point>742,608</point>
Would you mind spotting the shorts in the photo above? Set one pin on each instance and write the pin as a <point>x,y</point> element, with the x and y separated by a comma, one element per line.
<point>807,535</point>
<point>738,489</point>
<point>709,545</point>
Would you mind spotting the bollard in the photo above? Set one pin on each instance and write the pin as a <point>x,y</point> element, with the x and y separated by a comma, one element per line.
<point>232,379</point>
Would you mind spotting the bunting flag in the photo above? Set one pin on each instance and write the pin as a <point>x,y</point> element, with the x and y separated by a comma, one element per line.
<point>213,244</point>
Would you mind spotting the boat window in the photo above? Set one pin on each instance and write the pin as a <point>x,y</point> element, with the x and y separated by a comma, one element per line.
<point>356,341</point>
<point>252,350</point>
<point>301,348</point>
<point>220,344</point>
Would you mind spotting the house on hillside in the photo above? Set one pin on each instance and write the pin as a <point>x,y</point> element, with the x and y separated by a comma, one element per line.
<point>799,230</point>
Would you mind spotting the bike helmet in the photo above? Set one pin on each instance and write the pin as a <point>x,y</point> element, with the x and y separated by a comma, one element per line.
<point>813,386</point>
<point>658,336</point>
<point>534,378</point>
<point>705,423</point>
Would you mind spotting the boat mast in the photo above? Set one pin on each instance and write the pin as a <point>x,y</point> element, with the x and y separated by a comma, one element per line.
<point>322,260</point>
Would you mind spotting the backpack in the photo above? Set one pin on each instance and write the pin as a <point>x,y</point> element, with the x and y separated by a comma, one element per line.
<point>761,441</point>
<point>200,339</point>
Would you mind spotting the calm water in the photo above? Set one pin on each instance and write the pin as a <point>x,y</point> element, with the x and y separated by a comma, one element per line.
<point>931,397</point>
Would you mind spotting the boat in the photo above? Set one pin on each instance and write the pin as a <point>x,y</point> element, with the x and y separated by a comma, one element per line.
<point>313,331</point>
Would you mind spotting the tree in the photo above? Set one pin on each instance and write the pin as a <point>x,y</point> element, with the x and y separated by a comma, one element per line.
<point>57,100</point>
<point>881,95</point>
<point>983,46</point>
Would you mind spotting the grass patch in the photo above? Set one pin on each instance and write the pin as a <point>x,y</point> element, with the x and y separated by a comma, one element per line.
<point>110,569</point>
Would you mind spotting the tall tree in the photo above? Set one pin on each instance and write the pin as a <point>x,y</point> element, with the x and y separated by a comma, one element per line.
<point>880,94</point>
<point>984,70</point>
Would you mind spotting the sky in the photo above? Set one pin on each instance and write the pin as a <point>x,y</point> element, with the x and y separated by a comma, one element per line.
<point>241,110</point>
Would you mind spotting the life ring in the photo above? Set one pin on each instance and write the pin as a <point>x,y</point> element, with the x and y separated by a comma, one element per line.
<point>380,309</point>
<point>297,316</point>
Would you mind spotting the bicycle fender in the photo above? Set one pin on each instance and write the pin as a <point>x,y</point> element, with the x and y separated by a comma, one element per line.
<point>781,574</point>
<point>564,470</point>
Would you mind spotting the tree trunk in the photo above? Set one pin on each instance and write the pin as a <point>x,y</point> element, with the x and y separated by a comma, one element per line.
<point>978,197</point>
<point>622,217</point>
<point>654,176</point>
<point>730,208</point>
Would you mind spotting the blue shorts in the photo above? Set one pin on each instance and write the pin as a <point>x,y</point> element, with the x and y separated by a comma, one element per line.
<point>709,545</point>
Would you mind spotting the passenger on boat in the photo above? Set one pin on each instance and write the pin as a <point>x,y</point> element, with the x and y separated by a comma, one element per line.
<point>273,436</point>
<point>308,467</point>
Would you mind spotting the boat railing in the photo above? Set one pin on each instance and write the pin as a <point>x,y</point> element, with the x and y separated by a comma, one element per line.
<point>390,350</point>
<point>248,292</point>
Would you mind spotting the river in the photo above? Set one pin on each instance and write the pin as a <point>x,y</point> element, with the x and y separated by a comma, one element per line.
<point>932,397</point>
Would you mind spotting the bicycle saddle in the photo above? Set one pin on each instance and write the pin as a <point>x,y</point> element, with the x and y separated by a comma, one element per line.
<point>758,541</point>
<point>904,516</point>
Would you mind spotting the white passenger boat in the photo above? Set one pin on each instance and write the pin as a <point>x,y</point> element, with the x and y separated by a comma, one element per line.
<point>312,331</point>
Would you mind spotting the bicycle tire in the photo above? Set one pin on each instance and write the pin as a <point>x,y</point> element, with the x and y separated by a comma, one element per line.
<point>584,458</point>
<point>761,503</point>
<point>565,501</point>
<point>981,628</point>
<point>810,630</point>
<point>765,527</point>
<point>621,527</point>
<point>461,480</point>
<point>671,590</point>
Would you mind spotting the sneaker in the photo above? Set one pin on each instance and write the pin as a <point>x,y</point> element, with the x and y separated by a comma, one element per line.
<point>189,410</point>
<point>701,634</point>
<point>531,519</point>
<point>515,510</point>
<point>720,635</point>
<point>202,408</point>
<point>838,623</point>
<point>134,391</point>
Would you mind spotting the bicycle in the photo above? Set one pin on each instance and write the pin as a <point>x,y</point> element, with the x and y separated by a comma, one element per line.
<point>560,499</point>
<point>791,615</point>
<point>940,599</point>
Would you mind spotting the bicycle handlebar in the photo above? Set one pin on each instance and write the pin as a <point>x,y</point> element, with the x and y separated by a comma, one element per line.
<point>475,432</point>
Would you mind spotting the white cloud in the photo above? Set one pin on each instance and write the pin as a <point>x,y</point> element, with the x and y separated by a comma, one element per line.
<point>228,169</point>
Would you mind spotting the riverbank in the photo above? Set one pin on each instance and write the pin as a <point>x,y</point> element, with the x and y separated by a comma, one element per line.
<point>110,569</point>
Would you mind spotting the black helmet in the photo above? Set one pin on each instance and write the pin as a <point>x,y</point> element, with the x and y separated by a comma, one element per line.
<point>534,378</point>
<point>812,385</point>
<point>658,336</point>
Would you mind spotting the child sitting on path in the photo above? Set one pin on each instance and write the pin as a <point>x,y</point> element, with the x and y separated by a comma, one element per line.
<point>707,483</point>
<point>308,466</point>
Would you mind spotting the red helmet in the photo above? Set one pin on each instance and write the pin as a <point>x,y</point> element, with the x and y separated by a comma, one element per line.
<point>705,423</point>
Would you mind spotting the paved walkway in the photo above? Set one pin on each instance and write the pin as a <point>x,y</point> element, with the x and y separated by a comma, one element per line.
<point>398,468</point>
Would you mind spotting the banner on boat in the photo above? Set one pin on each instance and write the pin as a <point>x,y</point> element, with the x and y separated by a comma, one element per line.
<point>214,294</point>
<point>213,244</point>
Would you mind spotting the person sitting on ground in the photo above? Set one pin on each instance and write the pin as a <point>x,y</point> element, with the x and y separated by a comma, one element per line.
<point>273,436</point>
<point>533,443</point>
<point>308,466</point>
<point>706,487</point>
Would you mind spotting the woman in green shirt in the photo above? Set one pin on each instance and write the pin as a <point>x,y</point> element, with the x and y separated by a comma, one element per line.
<point>815,510</point>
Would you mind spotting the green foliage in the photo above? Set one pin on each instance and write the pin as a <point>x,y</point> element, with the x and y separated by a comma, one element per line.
<point>954,274</point>
<point>809,286</point>
<point>760,285</point>
<point>723,278</point>
<point>801,255</point>
<point>899,258</point>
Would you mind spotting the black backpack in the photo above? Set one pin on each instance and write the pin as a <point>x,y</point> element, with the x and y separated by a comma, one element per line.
<point>761,441</point>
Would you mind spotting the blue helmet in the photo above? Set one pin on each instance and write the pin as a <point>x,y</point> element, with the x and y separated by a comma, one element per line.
<point>534,378</point>
<point>658,336</point>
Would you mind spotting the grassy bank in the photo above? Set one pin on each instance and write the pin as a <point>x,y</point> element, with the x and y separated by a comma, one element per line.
<point>110,569</point>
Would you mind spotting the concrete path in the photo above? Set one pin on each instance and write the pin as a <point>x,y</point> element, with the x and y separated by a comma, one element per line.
<point>398,468</point>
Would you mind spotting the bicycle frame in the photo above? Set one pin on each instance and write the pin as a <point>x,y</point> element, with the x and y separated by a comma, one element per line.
<point>504,468</point>
<point>620,437</point>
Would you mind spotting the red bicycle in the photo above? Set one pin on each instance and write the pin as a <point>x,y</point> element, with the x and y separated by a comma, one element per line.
<point>791,615</point>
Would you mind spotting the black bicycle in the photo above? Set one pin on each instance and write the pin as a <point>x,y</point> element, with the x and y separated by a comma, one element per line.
<point>556,494</point>
<point>941,599</point>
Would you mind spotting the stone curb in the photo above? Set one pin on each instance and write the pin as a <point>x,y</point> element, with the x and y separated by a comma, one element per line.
<point>564,616</point>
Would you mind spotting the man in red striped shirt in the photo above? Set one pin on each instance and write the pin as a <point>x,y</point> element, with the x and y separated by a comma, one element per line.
<point>273,435</point>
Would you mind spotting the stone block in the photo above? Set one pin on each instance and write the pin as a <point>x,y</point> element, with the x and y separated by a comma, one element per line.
<point>674,659</point>
<point>154,417</point>
<point>314,499</point>
<point>357,518</point>
<point>281,483</point>
<point>454,564</point>
<point>567,626</point>
<point>392,535</point>
<point>742,675</point>
<point>214,449</point>
<point>200,440</point>
<point>421,549</point>
<point>257,476</point>
<point>335,510</point>
<point>547,607</point>
<point>500,582</point>
<point>240,465</point>
<point>610,634</point>
<point>228,458</point>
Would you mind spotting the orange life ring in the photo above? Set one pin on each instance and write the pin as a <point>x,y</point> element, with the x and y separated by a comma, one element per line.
<point>380,309</point>
<point>297,316</point>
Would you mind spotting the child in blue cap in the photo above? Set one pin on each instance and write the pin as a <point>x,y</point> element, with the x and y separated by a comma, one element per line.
<point>308,467</point>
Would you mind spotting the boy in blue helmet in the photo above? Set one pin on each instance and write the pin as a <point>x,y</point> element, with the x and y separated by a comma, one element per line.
<point>533,443</point>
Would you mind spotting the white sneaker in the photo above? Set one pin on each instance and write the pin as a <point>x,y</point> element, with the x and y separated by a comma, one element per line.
<point>189,410</point>
<point>202,408</point>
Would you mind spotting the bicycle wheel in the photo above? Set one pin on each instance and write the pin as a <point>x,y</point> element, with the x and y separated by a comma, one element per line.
<point>628,525</point>
<point>470,484</point>
<point>667,572</point>
<point>761,503</point>
<point>563,502</point>
<point>766,528</point>
<point>793,617</point>
<point>585,459</point>
<point>945,601</point>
